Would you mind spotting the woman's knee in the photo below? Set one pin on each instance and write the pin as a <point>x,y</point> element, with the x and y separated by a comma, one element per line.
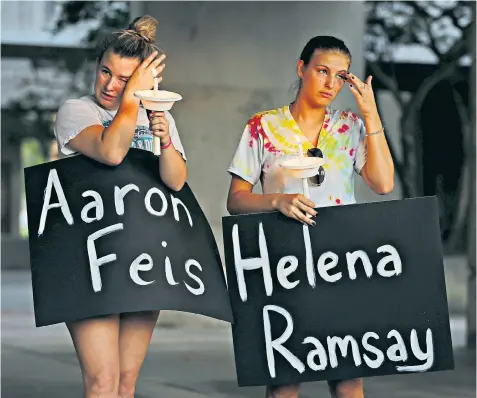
<point>127,383</point>
<point>103,384</point>
<point>347,388</point>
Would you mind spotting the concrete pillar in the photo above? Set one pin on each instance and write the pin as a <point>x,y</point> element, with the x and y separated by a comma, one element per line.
<point>136,9</point>
<point>11,168</point>
<point>472,237</point>
<point>14,249</point>
<point>230,60</point>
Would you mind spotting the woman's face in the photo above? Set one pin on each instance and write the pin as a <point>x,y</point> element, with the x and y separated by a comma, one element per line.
<point>324,76</point>
<point>112,74</point>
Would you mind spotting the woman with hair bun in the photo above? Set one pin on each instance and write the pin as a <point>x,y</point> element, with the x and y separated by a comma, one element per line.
<point>103,126</point>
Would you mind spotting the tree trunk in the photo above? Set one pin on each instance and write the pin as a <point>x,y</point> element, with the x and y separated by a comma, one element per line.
<point>398,165</point>
<point>409,123</point>
<point>461,212</point>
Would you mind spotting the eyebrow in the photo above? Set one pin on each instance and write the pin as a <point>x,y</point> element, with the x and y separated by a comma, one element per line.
<point>324,66</point>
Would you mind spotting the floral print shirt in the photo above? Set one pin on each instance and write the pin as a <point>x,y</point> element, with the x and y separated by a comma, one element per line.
<point>271,135</point>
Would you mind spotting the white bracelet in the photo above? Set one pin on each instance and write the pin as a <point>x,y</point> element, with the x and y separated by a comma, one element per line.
<point>376,132</point>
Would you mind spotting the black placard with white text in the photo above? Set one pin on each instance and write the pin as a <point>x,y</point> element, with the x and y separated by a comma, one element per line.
<point>106,240</point>
<point>360,294</point>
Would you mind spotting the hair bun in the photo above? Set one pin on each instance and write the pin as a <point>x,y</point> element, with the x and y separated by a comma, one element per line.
<point>145,26</point>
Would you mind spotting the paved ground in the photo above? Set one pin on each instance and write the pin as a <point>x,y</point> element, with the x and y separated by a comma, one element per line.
<point>190,357</point>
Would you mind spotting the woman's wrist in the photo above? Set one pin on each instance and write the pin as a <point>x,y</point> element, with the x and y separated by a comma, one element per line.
<point>129,102</point>
<point>166,142</point>
<point>373,123</point>
<point>275,199</point>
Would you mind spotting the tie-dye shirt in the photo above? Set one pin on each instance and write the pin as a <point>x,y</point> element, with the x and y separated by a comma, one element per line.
<point>77,114</point>
<point>271,135</point>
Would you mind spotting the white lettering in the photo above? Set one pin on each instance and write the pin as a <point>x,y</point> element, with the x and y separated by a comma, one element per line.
<point>54,181</point>
<point>351,259</point>
<point>283,271</point>
<point>318,351</point>
<point>169,275</point>
<point>427,356</point>
<point>320,356</point>
<point>94,261</point>
<point>147,202</point>
<point>97,204</point>
<point>199,290</point>
<point>372,363</point>
<point>251,263</point>
<point>397,352</point>
<point>324,267</point>
<point>393,257</point>
<point>277,344</point>
<point>310,267</point>
<point>176,202</point>
<point>119,194</point>
<point>137,266</point>
<point>342,343</point>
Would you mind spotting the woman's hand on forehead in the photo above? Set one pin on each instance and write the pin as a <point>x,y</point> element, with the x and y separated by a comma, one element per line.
<point>151,61</point>
<point>143,76</point>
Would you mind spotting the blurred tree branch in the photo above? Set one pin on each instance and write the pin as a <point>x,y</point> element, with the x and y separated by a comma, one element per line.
<point>105,17</point>
<point>51,82</point>
<point>444,30</point>
<point>392,24</point>
<point>38,97</point>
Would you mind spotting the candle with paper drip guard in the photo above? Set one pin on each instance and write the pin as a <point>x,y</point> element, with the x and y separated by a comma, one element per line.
<point>156,87</point>
<point>301,166</point>
<point>159,101</point>
<point>306,189</point>
<point>156,140</point>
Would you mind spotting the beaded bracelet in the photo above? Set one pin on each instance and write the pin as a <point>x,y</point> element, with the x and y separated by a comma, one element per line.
<point>167,145</point>
<point>376,132</point>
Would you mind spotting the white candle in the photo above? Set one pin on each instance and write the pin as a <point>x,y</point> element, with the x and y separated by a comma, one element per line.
<point>157,140</point>
<point>157,145</point>
<point>300,147</point>
<point>156,83</point>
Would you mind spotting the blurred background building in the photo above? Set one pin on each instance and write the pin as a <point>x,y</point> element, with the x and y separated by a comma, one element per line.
<point>231,59</point>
